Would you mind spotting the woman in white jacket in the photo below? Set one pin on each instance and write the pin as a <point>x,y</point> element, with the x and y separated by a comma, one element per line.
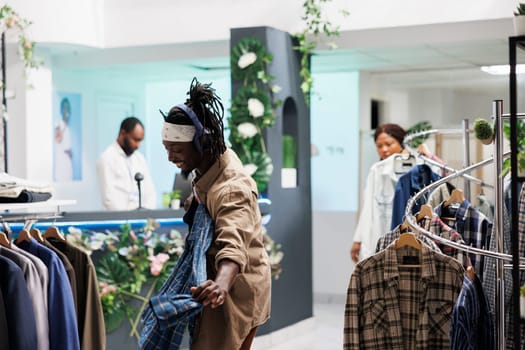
<point>376,213</point>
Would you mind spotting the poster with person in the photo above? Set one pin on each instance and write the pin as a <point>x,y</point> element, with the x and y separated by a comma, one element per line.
<point>67,137</point>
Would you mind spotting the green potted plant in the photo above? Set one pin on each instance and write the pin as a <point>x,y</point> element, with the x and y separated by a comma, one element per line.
<point>175,199</point>
<point>483,131</point>
<point>289,168</point>
<point>520,149</point>
<point>519,19</point>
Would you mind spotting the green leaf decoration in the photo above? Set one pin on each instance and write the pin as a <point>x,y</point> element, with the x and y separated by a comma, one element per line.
<point>418,127</point>
<point>520,134</point>
<point>114,319</point>
<point>113,270</point>
<point>132,265</point>
<point>10,20</point>
<point>241,113</point>
<point>249,74</point>
<point>263,162</point>
<point>252,109</point>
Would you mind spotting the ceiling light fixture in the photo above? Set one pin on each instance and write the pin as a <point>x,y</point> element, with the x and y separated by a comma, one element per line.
<point>503,69</point>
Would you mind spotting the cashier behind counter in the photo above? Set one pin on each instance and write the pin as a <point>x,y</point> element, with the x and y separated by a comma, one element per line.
<point>122,171</point>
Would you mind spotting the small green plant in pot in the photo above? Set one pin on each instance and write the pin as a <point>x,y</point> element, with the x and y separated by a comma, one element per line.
<point>520,10</point>
<point>519,19</point>
<point>483,131</point>
<point>175,198</point>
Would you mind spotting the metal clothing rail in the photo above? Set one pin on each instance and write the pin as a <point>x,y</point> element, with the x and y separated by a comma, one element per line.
<point>502,259</point>
<point>427,160</point>
<point>463,247</point>
<point>102,224</point>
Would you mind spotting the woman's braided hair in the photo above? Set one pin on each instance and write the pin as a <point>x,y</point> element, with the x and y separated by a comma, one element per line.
<point>209,110</point>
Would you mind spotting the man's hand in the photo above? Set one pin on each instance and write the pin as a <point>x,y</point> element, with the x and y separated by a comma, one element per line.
<point>354,252</point>
<point>214,293</point>
<point>209,293</point>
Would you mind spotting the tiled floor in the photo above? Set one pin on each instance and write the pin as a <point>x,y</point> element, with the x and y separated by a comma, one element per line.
<point>324,331</point>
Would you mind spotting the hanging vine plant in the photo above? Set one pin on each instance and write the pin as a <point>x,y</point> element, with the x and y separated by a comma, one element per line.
<point>252,109</point>
<point>307,39</point>
<point>10,20</point>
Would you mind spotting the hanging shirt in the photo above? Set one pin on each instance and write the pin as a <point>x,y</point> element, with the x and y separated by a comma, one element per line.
<point>381,294</point>
<point>36,294</point>
<point>472,326</point>
<point>4,332</point>
<point>474,228</point>
<point>489,275</point>
<point>439,194</point>
<point>63,330</point>
<point>173,308</point>
<point>408,185</point>
<point>19,309</point>
<point>376,212</point>
<point>385,240</point>
<point>90,318</point>
<point>118,187</point>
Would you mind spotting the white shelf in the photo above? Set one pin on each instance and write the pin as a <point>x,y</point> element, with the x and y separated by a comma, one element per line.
<point>52,203</point>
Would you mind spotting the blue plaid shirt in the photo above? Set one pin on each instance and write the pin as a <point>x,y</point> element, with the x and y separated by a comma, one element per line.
<point>474,228</point>
<point>173,308</point>
<point>471,326</point>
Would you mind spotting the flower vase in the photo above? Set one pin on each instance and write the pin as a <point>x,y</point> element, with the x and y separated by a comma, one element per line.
<point>487,141</point>
<point>288,178</point>
<point>519,25</point>
<point>175,204</point>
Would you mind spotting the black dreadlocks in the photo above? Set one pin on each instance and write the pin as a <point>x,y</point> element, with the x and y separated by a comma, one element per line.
<point>209,110</point>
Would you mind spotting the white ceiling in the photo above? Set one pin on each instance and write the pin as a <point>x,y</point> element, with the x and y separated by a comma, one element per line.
<point>407,56</point>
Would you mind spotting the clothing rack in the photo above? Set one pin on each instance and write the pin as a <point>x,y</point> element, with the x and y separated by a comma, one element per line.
<point>500,257</point>
<point>32,217</point>
<point>430,161</point>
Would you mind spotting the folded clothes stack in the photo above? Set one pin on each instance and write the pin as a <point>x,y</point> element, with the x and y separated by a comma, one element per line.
<point>17,190</point>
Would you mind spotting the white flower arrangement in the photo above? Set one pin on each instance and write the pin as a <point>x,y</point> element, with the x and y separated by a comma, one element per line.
<point>247,130</point>
<point>246,59</point>
<point>250,169</point>
<point>255,107</point>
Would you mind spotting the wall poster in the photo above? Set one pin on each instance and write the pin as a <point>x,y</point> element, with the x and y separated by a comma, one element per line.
<point>67,137</point>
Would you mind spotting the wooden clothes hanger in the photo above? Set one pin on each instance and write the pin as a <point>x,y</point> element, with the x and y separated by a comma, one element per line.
<point>23,235</point>
<point>36,234</point>
<point>53,232</point>
<point>4,241</point>
<point>425,211</point>
<point>404,227</point>
<point>408,239</point>
<point>456,196</point>
<point>471,273</point>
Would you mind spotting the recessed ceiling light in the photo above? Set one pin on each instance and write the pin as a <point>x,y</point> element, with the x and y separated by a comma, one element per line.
<point>503,69</point>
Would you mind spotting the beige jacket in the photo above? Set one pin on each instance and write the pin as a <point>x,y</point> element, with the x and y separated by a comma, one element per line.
<point>230,196</point>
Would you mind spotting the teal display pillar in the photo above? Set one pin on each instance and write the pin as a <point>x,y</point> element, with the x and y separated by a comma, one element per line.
<point>291,208</point>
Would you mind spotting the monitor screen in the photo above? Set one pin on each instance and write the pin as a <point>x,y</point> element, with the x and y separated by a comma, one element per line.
<point>183,185</point>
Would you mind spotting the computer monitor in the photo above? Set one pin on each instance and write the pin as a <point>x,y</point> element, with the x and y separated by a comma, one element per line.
<point>183,185</point>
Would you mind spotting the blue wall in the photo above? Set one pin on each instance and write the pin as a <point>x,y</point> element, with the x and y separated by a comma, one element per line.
<point>107,99</point>
<point>335,136</point>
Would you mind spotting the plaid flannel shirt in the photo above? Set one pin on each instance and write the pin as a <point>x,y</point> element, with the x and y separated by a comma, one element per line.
<point>173,308</point>
<point>474,228</point>
<point>489,276</point>
<point>385,240</point>
<point>472,325</point>
<point>379,291</point>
